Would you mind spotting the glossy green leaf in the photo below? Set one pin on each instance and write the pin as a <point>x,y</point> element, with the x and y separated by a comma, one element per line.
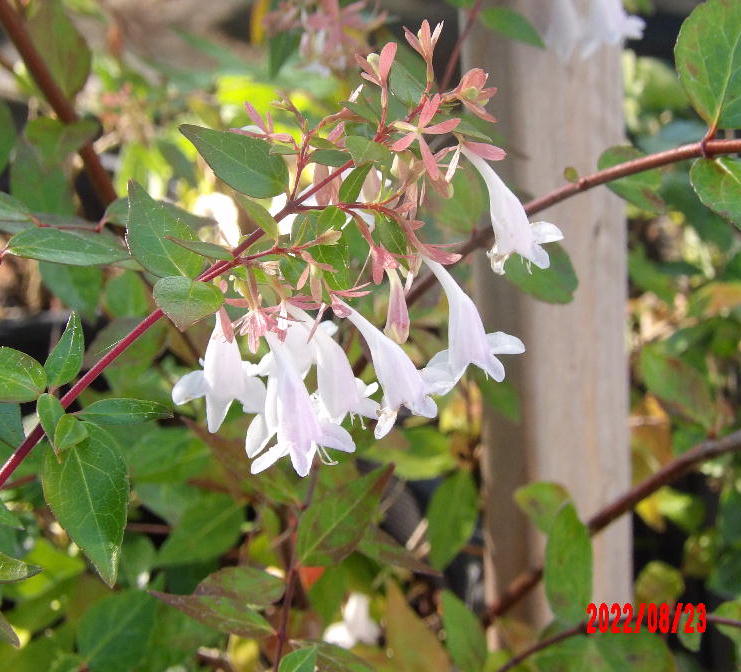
<point>244,585</point>
<point>708,59</point>
<point>49,410</point>
<point>363,149</point>
<point>124,411</point>
<point>302,660</point>
<point>22,378</point>
<point>7,135</point>
<point>260,217</point>
<point>15,216</point>
<point>220,612</point>
<point>640,189</point>
<point>113,633</point>
<point>187,301</point>
<point>204,249</point>
<point>556,284</point>
<point>243,162</point>
<point>330,157</point>
<point>464,636</point>
<point>68,433</point>
<point>207,528</point>
<point>150,224</point>
<point>678,383</point>
<point>76,248</point>
<point>79,287</point>
<point>405,85</point>
<point>332,527</point>
<point>88,492</point>
<point>511,24</point>
<point>65,360</point>
<point>567,572</point>
<point>718,184</point>
<point>65,51</point>
<point>541,502</point>
<point>452,514</point>
<point>12,570</point>
<point>11,427</point>
<point>353,183</point>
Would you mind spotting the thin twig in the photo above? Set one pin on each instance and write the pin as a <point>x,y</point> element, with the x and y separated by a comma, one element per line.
<point>702,452</point>
<point>16,30</point>
<point>722,620</point>
<point>513,662</point>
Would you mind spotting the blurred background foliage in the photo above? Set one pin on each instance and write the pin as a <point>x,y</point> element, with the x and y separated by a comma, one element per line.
<point>194,505</point>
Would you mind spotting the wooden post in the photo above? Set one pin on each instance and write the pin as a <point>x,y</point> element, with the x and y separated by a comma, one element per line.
<point>573,380</point>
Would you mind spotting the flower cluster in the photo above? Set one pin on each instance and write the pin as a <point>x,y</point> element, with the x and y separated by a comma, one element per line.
<point>569,32</point>
<point>367,168</point>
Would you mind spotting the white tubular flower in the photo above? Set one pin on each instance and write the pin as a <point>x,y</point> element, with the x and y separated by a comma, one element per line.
<point>468,342</point>
<point>339,392</point>
<point>609,23</point>
<point>512,230</point>
<point>222,380</point>
<point>356,624</point>
<point>289,410</point>
<point>402,383</point>
<point>220,208</point>
<point>564,29</point>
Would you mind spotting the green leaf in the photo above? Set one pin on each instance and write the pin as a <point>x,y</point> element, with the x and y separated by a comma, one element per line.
<point>281,47</point>
<point>223,613</point>
<point>42,187</point>
<point>65,51</point>
<point>658,582</point>
<point>676,382</point>
<point>76,248</point>
<point>49,410</point>
<point>22,378</point>
<point>7,633</point>
<point>362,150</point>
<point>541,502</point>
<point>260,216</point>
<point>88,492</point>
<point>207,528</point>
<point>8,518</point>
<point>126,295</point>
<point>65,360</point>
<point>204,249</point>
<point>708,59</point>
<point>511,24</point>
<point>243,585</point>
<point>330,157</point>
<point>138,357</point>
<point>331,658</point>
<point>7,136</point>
<point>186,301</point>
<point>384,549</point>
<point>11,427</point>
<point>55,140</point>
<point>244,163</point>
<point>68,433</point>
<point>640,189</point>
<point>452,514</point>
<point>647,275</point>
<point>15,216</point>
<point>407,87</point>
<point>690,640</point>
<point>303,660</point>
<point>730,610</point>
<point>78,287</point>
<point>718,184</point>
<point>567,571</point>
<point>556,284</point>
<point>124,411</point>
<point>502,397</point>
<point>353,183</point>
<point>12,570</point>
<point>149,226</point>
<point>332,527</point>
<point>464,636</point>
<point>113,633</point>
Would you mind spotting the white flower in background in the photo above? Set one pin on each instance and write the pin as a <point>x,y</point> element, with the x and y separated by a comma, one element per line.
<point>512,230</point>
<point>609,23</point>
<point>222,381</point>
<point>468,342</point>
<point>400,380</point>
<point>223,211</point>
<point>290,413</point>
<point>356,624</point>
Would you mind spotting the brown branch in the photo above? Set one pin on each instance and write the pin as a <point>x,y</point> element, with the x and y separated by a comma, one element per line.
<point>702,452</point>
<point>482,237</point>
<point>62,106</point>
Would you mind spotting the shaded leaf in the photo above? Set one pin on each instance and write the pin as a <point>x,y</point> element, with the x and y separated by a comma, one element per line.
<point>7,137</point>
<point>7,633</point>
<point>186,301</point>
<point>658,582</point>
<point>640,189</point>
<point>511,24</point>
<point>15,216</point>
<point>302,660</point>
<point>88,493</point>
<point>464,636</point>
<point>730,610</point>
<point>8,518</point>
<point>22,378</point>
<point>68,433</point>
<point>718,184</point>
<point>280,49</point>
<point>383,548</point>
<point>556,284</point>
<point>243,585</point>
<point>76,248</point>
<point>541,502</point>
<point>204,249</point>
<point>126,295</point>
<point>124,411</point>
<point>78,287</point>
<point>65,360</point>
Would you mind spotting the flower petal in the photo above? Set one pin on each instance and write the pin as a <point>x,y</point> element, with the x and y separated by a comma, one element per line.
<point>191,386</point>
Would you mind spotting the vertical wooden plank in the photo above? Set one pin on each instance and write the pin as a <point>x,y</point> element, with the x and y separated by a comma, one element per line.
<point>573,380</point>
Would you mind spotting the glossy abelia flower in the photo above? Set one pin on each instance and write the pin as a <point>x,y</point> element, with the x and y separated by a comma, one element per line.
<point>471,92</point>
<point>224,379</point>
<point>397,319</point>
<point>609,23</point>
<point>356,625</point>
<point>512,230</point>
<point>290,415</point>
<point>564,30</point>
<point>468,342</point>
<point>401,382</point>
<point>424,44</point>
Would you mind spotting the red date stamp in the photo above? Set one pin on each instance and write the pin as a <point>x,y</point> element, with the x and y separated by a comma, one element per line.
<point>662,618</point>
